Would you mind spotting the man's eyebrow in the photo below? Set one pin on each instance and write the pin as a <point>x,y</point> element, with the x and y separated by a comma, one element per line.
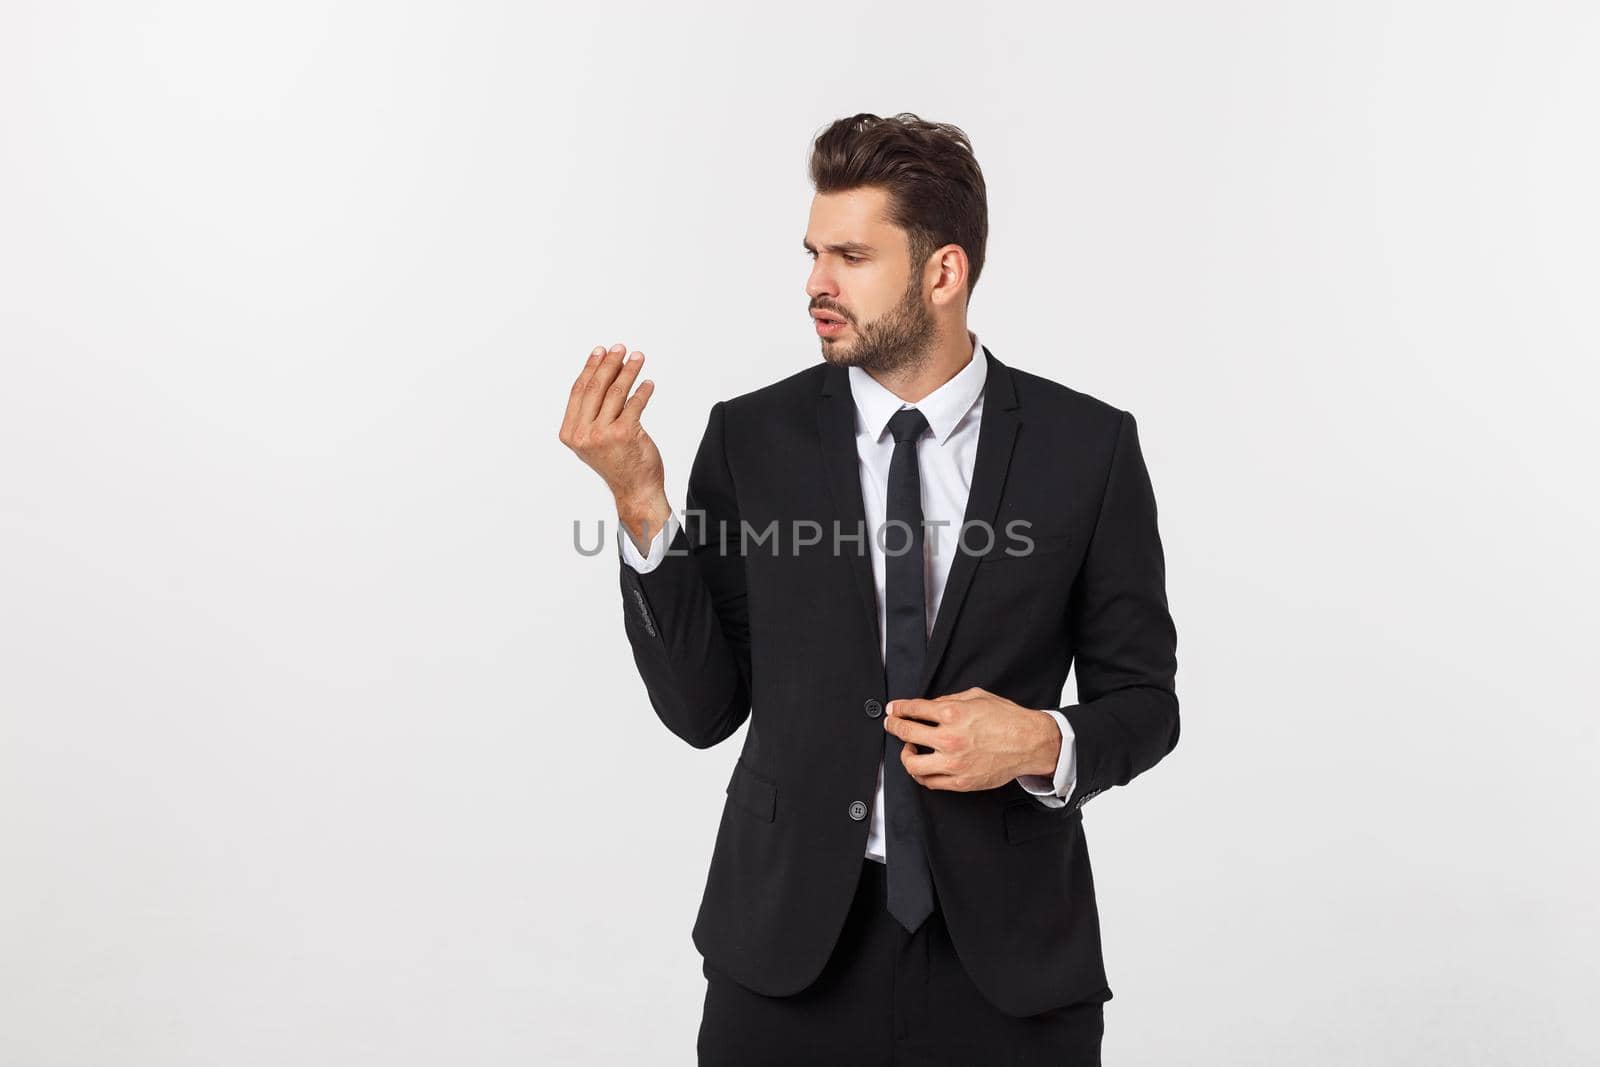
<point>848,246</point>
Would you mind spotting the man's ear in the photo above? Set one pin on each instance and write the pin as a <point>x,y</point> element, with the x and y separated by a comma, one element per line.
<point>946,274</point>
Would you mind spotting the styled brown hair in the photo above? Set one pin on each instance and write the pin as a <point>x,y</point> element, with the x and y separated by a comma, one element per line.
<point>935,187</point>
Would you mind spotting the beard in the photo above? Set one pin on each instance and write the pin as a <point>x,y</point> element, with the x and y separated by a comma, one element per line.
<point>897,339</point>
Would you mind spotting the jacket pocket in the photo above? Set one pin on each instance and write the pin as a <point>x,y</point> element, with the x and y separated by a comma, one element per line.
<point>753,792</point>
<point>1029,819</point>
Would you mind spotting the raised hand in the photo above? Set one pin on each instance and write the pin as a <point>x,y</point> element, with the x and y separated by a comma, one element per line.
<point>602,425</point>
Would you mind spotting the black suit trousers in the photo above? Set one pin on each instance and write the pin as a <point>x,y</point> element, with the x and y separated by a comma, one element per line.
<point>888,997</point>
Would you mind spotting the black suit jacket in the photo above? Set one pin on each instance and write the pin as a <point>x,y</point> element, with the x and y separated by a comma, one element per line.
<point>723,632</point>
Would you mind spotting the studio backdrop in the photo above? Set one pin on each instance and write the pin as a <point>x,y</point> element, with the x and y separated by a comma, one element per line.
<point>321,741</point>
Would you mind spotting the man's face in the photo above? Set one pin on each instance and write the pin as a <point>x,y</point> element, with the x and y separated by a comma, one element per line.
<point>861,273</point>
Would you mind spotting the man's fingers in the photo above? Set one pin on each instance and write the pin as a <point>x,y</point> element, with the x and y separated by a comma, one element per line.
<point>928,771</point>
<point>594,391</point>
<point>633,410</point>
<point>911,708</point>
<point>600,392</point>
<point>922,764</point>
<point>617,394</point>
<point>911,730</point>
<point>569,418</point>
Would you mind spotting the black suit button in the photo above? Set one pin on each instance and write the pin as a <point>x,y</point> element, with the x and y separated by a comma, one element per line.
<point>858,810</point>
<point>873,709</point>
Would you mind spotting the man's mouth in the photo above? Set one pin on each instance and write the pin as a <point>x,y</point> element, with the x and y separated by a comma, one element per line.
<point>828,324</point>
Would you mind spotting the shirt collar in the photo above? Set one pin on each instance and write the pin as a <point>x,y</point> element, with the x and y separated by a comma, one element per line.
<point>944,408</point>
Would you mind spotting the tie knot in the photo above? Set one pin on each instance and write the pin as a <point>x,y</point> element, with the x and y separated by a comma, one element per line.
<point>907,424</point>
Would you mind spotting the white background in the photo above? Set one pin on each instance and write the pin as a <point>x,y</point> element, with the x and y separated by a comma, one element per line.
<point>320,743</point>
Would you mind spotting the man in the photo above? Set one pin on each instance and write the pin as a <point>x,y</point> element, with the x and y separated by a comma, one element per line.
<point>888,563</point>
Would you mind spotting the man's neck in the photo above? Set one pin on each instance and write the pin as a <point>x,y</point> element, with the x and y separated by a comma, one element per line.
<point>944,361</point>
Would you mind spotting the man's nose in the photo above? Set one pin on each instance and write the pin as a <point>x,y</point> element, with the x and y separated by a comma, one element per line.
<point>820,283</point>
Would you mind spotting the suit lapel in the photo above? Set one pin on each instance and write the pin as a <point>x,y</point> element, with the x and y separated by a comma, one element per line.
<point>997,432</point>
<point>836,426</point>
<point>836,429</point>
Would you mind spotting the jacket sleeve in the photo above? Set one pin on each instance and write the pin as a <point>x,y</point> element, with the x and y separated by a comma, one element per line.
<point>1054,790</point>
<point>651,558</point>
<point>1126,718</point>
<point>687,618</point>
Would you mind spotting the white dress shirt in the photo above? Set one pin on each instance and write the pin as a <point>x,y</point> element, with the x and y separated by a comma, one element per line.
<point>945,454</point>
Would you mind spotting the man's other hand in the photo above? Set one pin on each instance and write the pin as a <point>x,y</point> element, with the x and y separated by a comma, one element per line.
<point>978,740</point>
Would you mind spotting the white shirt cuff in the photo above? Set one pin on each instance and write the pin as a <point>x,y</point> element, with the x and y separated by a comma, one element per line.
<point>1053,792</point>
<point>658,546</point>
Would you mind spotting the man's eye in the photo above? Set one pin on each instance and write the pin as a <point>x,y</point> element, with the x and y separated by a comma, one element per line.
<point>852,259</point>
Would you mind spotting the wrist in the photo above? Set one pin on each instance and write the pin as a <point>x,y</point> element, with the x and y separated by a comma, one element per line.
<point>644,514</point>
<point>1046,752</point>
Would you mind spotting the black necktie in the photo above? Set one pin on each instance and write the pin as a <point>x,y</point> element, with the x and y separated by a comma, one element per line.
<point>906,645</point>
